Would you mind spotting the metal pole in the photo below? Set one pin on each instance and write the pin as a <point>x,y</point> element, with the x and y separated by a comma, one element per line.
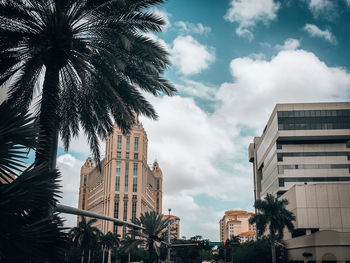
<point>75,211</point>
<point>169,237</point>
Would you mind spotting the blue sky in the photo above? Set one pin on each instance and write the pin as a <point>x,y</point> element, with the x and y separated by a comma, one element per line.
<point>232,61</point>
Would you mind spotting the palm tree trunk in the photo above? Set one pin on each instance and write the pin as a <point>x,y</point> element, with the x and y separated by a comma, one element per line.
<point>89,258</point>
<point>103,255</point>
<point>273,251</point>
<point>109,255</point>
<point>82,257</point>
<point>48,119</point>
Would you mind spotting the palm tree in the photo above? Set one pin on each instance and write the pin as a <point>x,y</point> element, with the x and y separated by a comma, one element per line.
<point>153,224</point>
<point>272,213</point>
<point>89,60</point>
<point>109,241</point>
<point>26,234</point>
<point>85,235</point>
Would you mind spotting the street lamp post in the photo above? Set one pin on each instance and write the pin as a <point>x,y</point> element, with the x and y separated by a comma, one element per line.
<point>169,236</point>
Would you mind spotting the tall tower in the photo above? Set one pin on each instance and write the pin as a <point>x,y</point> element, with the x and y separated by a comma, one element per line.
<point>157,172</point>
<point>126,186</point>
<point>84,188</point>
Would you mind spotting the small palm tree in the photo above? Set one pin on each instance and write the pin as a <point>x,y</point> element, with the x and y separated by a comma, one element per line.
<point>90,60</point>
<point>272,213</point>
<point>26,233</point>
<point>85,236</point>
<point>109,241</point>
<point>153,224</point>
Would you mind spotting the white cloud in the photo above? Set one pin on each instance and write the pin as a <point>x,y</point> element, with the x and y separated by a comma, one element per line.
<point>291,76</point>
<point>247,13</point>
<point>191,57</point>
<point>70,171</point>
<point>321,7</point>
<point>289,44</point>
<point>197,89</point>
<point>314,31</point>
<point>190,28</point>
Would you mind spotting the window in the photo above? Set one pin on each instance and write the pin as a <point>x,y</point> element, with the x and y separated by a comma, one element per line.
<point>134,178</point>
<point>136,156</point>
<point>117,177</point>
<point>136,144</point>
<point>279,157</point>
<point>84,180</point>
<point>128,142</point>
<point>158,184</point>
<point>134,210</point>
<point>126,177</point>
<point>119,142</point>
<point>116,208</point>
<point>125,216</point>
<point>119,155</point>
<point>127,155</point>
<point>125,212</point>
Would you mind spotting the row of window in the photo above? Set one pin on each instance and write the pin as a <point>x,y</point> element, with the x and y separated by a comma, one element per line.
<point>313,123</point>
<point>120,140</point>
<point>281,168</point>
<point>127,155</point>
<point>126,179</point>
<point>281,181</point>
<point>310,154</point>
<point>313,113</point>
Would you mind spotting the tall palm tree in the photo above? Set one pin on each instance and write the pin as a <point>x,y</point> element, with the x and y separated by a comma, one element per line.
<point>153,224</point>
<point>272,213</point>
<point>26,234</point>
<point>85,236</point>
<point>89,60</point>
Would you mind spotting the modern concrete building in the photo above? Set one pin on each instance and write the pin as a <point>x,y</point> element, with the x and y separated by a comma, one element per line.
<point>302,143</point>
<point>236,223</point>
<point>322,226</point>
<point>125,187</point>
<point>174,226</point>
<point>303,156</point>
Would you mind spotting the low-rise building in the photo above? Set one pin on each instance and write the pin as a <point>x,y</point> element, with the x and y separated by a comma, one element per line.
<point>236,223</point>
<point>174,226</point>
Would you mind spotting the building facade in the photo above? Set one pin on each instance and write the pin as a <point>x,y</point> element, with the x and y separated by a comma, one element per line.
<point>125,186</point>
<point>303,156</point>
<point>174,226</point>
<point>236,223</point>
<point>302,143</point>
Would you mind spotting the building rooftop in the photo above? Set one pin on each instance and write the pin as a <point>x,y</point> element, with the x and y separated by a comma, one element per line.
<point>248,233</point>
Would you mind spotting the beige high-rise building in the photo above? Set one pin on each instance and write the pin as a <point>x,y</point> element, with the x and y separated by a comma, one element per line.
<point>236,223</point>
<point>125,186</point>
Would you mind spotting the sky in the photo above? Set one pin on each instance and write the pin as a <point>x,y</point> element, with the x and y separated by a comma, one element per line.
<point>232,62</point>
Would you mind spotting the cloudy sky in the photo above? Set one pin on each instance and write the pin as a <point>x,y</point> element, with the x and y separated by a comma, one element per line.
<point>233,60</point>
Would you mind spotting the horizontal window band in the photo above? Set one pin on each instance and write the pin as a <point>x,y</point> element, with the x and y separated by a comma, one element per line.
<point>281,181</point>
<point>312,154</point>
<point>314,166</point>
<point>314,113</point>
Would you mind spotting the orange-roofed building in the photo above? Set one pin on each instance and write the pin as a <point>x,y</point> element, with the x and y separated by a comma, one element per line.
<point>236,223</point>
<point>246,236</point>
